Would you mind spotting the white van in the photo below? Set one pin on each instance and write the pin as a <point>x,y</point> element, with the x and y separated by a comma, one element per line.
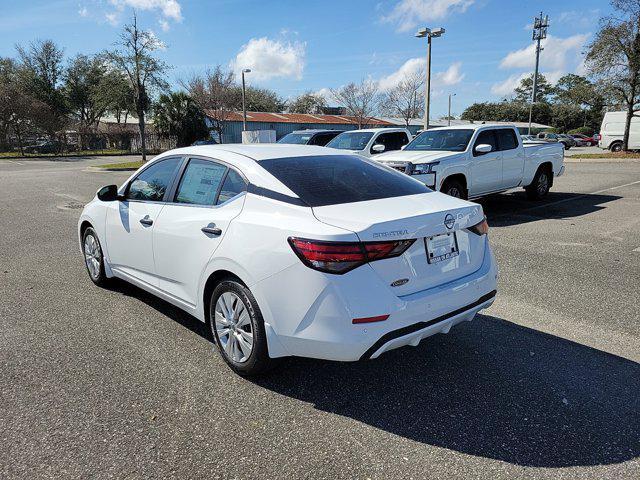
<point>612,131</point>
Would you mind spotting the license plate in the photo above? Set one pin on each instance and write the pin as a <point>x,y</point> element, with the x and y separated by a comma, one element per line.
<point>441,247</point>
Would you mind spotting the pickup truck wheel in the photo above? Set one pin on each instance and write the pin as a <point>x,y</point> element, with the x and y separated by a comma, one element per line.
<point>454,188</point>
<point>540,185</point>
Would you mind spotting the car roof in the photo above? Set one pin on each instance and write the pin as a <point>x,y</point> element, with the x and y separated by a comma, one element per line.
<point>318,130</point>
<point>375,130</point>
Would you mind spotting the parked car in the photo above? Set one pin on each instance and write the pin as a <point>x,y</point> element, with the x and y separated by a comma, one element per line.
<point>310,137</point>
<point>470,161</point>
<point>555,137</point>
<point>569,139</point>
<point>292,250</point>
<point>208,141</point>
<point>584,140</point>
<point>612,131</point>
<point>46,146</point>
<point>372,141</point>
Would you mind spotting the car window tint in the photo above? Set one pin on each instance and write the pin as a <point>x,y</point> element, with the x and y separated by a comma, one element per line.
<point>391,141</point>
<point>507,139</point>
<point>486,137</point>
<point>153,181</point>
<point>334,179</point>
<point>200,182</point>
<point>232,186</point>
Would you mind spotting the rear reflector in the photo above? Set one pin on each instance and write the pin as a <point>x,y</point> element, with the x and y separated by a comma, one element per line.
<point>481,228</point>
<point>379,318</point>
<point>340,257</point>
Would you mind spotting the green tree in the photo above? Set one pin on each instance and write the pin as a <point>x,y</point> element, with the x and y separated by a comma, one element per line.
<point>307,103</point>
<point>135,57</point>
<point>176,114</point>
<point>613,57</point>
<point>259,100</point>
<point>524,91</point>
<point>87,92</point>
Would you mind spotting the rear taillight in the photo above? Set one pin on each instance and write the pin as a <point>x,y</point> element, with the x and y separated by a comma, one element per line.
<point>340,257</point>
<point>481,228</point>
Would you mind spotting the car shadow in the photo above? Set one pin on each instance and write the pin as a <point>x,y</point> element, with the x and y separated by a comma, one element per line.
<point>490,388</point>
<point>514,208</point>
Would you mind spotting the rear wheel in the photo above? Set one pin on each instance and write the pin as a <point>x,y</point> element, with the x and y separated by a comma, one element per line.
<point>540,185</point>
<point>454,188</point>
<point>238,328</point>
<point>616,147</point>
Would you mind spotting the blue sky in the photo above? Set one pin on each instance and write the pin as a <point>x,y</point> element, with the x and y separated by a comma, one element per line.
<point>307,45</point>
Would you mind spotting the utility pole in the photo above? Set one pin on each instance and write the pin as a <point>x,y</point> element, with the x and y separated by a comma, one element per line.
<point>540,25</point>
<point>449,114</point>
<point>429,34</point>
<point>244,108</point>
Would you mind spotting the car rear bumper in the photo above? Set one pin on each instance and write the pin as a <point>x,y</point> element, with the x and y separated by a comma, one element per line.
<point>314,318</point>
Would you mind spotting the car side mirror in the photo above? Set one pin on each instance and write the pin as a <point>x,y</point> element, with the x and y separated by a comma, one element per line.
<point>483,148</point>
<point>378,147</point>
<point>109,194</point>
<point>403,147</point>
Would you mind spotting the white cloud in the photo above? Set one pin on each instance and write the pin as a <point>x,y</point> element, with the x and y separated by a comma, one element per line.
<point>167,8</point>
<point>450,76</point>
<point>164,25</point>
<point>83,12</point>
<point>558,53</point>
<point>505,88</point>
<point>112,18</point>
<point>407,14</point>
<point>271,58</point>
<point>325,93</point>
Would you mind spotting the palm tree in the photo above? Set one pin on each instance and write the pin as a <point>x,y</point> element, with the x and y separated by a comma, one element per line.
<point>176,115</point>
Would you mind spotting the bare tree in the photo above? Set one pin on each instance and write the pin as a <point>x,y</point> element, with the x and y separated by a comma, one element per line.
<point>134,56</point>
<point>307,103</point>
<point>406,99</point>
<point>613,57</point>
<point>361,100</point>
<point>215,94</point>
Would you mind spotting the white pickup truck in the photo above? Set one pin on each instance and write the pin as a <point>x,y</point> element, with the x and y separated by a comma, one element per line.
<point>469,161</point>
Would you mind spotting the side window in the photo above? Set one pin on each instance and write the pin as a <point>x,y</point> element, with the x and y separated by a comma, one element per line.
<point>322,139</point>
<point>507,139</point>
<point>232,186</point>
<point>487,137</point>
<point>153,182</point>
<point>200,182</point>
<point>391,141</point>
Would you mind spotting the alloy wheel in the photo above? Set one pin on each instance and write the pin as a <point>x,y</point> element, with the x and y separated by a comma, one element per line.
<point>454,192</point>
<point>233,327</point>
<point>92,256</point>
<point>543,184</point>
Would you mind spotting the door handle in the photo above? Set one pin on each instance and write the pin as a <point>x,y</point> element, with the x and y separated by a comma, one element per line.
<point>212,230</point>
<point>146,221</point>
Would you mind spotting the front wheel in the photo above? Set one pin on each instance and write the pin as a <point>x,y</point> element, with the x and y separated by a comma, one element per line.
<point>616,147</point>
<point>540,185</point>
<point>454,188</point>
<point>238,329</point>
<point>93,257</point>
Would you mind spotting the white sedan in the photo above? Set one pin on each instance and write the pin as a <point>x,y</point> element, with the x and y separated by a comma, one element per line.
<point>292,250</point>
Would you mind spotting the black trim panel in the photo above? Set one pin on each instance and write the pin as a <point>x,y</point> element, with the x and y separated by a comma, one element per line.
<point>281,197</point>
<point>401,332</point>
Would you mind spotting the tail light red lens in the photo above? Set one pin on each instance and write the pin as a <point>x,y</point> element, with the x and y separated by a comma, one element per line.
<point>340,257</point>
<point>481,228</point>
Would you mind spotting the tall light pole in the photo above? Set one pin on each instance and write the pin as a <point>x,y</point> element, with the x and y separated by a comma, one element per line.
<point>429,34</point>
<point>244,107</point>
<point>540,25</point>
<point>449,114</point>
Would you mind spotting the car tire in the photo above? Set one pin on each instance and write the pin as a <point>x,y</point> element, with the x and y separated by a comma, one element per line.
<point>237,327</point>
<point>94,257</point>
<point>616,147</point>
<point>454,188</point>
<point>541,184</point>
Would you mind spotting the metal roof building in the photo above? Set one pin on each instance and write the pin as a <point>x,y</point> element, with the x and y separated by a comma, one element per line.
<point>284,123</point>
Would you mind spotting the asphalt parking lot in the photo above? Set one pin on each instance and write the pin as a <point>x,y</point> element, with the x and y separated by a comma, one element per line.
<point>115,383</point>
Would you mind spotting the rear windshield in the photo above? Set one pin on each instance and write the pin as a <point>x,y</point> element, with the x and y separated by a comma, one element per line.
<point>334,179</point>
<point>351,141</point>
<point>296,138</point>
